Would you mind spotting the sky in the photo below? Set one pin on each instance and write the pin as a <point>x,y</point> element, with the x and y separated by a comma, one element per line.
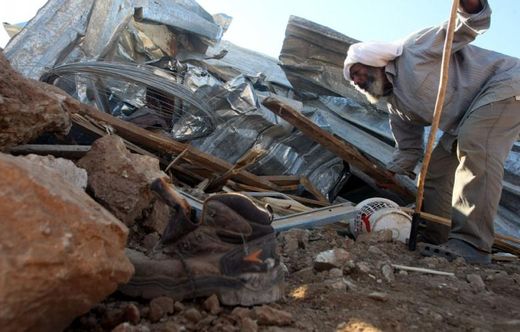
<point>260,24</point>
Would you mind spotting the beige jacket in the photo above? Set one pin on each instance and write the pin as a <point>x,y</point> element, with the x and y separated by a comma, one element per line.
<point>476,77</point>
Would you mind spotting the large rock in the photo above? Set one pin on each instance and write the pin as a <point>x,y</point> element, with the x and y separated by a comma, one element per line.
<point>120,179</point>
<point>29,108</point>
<point>60,252</point>
<point>66,168</point>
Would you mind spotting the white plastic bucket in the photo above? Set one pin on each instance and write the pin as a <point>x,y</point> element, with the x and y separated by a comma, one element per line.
<point>376,214</point>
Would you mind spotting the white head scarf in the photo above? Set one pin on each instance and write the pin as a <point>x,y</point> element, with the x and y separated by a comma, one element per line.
<point>375,54</point>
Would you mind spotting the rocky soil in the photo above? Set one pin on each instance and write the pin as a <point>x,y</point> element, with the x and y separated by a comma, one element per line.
<point>62,252</point>
<point>359,289</point>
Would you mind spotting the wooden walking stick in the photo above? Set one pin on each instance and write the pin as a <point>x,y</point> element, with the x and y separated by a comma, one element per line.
<point>446,54</point>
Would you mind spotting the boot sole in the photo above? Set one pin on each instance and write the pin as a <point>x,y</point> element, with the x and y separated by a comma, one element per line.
<point>430,250</point>
<point>246,289</point>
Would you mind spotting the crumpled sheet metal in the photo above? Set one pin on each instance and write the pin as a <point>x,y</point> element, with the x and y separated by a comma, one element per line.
<point>108,19</point>
<point>141,41</point>
<point>111,17</point>
<point>312,57</point>
<point>186,15</point>
<point>247,124</point>
<point>297,154</point>
<point>49,36</point>
<point>371,120</point>
<point>236,61</point>
<point>89,29</point>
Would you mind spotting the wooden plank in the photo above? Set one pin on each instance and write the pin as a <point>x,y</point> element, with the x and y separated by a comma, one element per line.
<point>91,127</point>
<point>341,148</point>
<point>282,180</point>
<point>56,150</point>
<point>247,159</point>
<point>500,242</point>
<point>244,187</point>
<point>163,144</point>
<point>307,184</point>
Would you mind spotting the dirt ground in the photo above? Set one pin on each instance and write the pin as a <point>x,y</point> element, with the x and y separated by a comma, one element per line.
<point>365,294</point>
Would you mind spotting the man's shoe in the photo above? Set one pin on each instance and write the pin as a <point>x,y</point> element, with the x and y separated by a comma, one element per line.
<point>455,248</point>
<point>230,252</point>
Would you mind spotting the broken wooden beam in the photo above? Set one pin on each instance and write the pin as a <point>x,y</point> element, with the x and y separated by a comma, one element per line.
<point>56,150</point>
<point>282,180</point>
<point>243,187</point>
<point>307,184</point>
<point>163,144</point>
<point>342,149</point>
<point>247,159</point>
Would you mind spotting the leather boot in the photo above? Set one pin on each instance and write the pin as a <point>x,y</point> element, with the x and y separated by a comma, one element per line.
<point>230,252</point>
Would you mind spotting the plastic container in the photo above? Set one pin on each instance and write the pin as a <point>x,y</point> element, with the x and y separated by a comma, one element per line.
<point>376,214</point>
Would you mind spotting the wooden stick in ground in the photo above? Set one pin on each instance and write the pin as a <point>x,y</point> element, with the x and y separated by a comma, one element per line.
<point>446,55</point>
<point>499,238</point>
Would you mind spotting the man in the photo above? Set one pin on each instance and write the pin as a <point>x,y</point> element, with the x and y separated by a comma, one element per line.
<point>480,122</point>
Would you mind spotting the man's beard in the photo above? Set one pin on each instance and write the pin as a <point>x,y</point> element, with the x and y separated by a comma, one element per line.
<point>374,88</point>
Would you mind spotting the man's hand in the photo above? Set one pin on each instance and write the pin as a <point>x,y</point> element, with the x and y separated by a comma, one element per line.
<point>471,6</point>
<point>396,169</point>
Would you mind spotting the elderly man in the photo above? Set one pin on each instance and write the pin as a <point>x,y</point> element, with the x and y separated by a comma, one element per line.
<point>480,122</point>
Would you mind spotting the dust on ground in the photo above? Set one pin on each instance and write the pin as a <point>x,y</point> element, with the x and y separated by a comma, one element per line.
<point>364,293</point>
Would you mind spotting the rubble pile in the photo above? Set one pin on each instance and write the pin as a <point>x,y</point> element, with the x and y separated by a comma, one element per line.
<point>28,109</point>
<point>54,238</point>
<point>131,129</point>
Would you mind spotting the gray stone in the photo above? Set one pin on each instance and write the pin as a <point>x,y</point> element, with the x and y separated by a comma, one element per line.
<point>132,314</point>
<point>334,258</point>
<point>126,327</point>
<point>267,315</point>
<point>349,267</point>
<point>159,217</point>
<point>335,273</point>
<point>350,284</point>
<point>379,296</point>
<point>294,239</point>
<point>193,315</point>
<point>375,237</point>
<point>178,306</point>
<point>476,282</point>
<point>112,317</point>
<point>248,325</point>
<point>155,312</point>
<point>159,307</point>
<point>241,312</point>
<point>376,251</point>
<point>388,273</point>
<point>212,305</point>
<point>338,284</point>
<point>363,267</point>
<point>150,240</point>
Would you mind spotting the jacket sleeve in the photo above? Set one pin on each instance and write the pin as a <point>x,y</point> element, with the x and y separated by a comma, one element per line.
<point>467,27</point>
<point>409,144</point>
